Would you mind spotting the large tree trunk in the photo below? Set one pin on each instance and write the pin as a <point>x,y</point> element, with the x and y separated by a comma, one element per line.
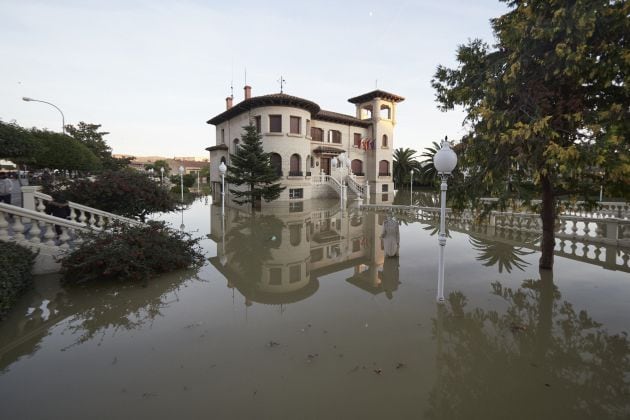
<point>548,216</point>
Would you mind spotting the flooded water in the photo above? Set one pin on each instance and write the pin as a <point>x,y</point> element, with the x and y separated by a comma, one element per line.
<point>298,314</point>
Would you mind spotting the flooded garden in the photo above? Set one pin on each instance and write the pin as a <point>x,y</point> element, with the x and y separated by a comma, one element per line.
<point>299,314</point>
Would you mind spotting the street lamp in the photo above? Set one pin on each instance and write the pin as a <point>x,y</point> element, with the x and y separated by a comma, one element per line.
<point>222,169</point>
<point>181,179</point>
<point>162,173</point>
<point>444,162</point>
<point>411,188</point>
<point>63,119</point>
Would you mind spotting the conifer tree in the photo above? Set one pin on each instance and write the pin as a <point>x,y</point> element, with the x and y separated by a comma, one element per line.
<point>251,167</point>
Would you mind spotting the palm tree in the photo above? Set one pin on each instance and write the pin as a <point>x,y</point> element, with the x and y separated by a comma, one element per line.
<point>404,162</point>
<point>427,171</point>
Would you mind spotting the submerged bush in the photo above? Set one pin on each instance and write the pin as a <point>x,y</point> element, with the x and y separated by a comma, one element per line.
<point>134,253</point>
<point>16,263</point>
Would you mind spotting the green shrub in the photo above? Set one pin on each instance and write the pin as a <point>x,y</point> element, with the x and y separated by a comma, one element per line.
<point>128,193</point>
<point>16,263</point>
<point>134,253</point>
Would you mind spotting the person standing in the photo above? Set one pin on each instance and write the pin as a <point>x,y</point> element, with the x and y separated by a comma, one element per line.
<point>6,187</point>
<point>58,207</point>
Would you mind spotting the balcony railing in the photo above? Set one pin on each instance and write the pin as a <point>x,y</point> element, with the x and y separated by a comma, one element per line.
<point>296,173</point>
<point>384,174</point>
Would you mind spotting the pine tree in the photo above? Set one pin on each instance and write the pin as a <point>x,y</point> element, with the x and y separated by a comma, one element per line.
<point>251,166</point>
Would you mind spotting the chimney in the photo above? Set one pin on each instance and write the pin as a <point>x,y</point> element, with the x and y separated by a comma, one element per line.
<point>228,102</point>
<point>248,91</point>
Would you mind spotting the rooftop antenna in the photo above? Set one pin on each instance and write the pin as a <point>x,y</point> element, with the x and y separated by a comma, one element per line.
<point>376,84</point>
<point>245,76</point>
<point>282,82</point>
<point>232,81</point>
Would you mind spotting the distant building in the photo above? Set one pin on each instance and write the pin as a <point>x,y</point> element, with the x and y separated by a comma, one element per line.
<point>303,139</point>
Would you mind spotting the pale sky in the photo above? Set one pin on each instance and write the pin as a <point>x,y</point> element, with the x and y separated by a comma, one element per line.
<point>153,72</point>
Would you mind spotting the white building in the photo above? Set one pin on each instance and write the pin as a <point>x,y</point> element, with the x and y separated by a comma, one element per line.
<point>305,141</point>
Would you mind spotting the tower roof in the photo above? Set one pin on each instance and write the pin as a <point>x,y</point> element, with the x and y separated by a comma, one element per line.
<point>376,94</point>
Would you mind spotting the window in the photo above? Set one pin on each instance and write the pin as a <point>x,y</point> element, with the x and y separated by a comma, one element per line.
<point>334,136</point>
<point>308,127</point>
<point>317,134</point>
<point>383,168</point>
<point>384,143</point>
<point>236,143</point>
<point>386,112</point>
<point>275,276</point>
<point>366,112</point>
<point>276,162</point>
<point>317,255</point>
<point>275,123</point>
<point>357,167</point>
<point>385,188</point>
<point>222,136</point>
<point>296,193</point>
<point>296,206</point>
<point>356,245</point>
<point>357,140</point>
<point>295,166</point>
<point>258,123</point>
<point>295,125</point>
<point>295,234</point>
<point>295,273</point>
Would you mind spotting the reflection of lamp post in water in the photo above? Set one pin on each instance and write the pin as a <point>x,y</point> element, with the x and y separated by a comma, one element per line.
<point>182,227</point>
<point>223,257</point>
<point>222,169</point>
<point>444,161</point>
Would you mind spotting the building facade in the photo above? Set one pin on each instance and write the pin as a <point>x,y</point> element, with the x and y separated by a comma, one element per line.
<point>314,150</point>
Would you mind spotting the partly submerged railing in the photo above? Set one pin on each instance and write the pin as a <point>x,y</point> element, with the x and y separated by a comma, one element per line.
<point>35,200</point>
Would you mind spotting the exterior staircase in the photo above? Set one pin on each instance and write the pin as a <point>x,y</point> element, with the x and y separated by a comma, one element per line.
<point>29,226</point>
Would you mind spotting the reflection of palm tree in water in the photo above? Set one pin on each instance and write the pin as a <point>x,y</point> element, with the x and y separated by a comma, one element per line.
<point>539,359</point>
<point>505,255</point>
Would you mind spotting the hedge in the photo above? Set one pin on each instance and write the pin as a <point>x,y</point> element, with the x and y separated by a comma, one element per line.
<point>16,263</point>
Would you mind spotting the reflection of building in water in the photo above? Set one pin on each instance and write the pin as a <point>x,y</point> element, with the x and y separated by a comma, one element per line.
<point>277,257</point>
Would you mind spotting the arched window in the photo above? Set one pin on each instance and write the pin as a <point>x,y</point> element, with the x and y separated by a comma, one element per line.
<point>384,142</point>
<point>295,165</point>
<point>357,167</point>
<point>276,162</point>
<point>386,112</point>
<point>334,136</point>
<point>317,134</point>
<point>223,160</point>
<point>236,143</point>
<point>383,168</point>
<point>366,112</point>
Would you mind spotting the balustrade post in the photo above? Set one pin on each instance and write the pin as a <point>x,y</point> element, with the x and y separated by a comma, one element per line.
<point>612,230</point>
<point>28,196</point>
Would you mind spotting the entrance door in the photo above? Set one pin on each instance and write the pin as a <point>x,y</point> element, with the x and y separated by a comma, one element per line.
<point>326,165</point>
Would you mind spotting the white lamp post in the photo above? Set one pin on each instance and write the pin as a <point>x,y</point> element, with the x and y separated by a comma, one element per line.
<point>181,180</point>
<point>63,118</point>
<point>411,188</point>
<point>444,161</point>
<point>162,173</point>
<point>222,169</point>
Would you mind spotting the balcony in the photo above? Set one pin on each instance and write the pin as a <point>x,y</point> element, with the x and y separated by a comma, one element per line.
<point>296,173</point>
<point>384,174</point>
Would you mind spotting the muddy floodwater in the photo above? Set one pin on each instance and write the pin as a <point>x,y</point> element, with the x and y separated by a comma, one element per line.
<point>298,314</point>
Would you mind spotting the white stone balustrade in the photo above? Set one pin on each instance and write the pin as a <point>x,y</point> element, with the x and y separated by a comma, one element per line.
<point>37,231</point>
<point>34,199</point>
